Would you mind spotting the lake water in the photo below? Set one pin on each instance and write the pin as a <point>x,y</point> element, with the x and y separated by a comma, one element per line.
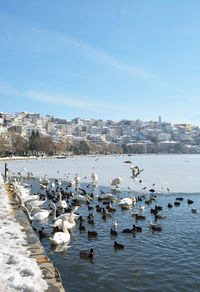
<point>150,261</point>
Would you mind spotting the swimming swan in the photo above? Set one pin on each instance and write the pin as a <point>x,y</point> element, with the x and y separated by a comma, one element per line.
<point>127,201</point>
<point>61,203</point>
<point>40,215</point>
<point>69,217</point>
<point>62,236</point>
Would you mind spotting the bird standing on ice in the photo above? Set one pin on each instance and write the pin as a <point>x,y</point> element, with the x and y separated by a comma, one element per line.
<point>116,182</point>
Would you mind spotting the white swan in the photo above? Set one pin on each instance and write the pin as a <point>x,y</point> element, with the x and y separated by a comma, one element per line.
<point>116,181</point>
<point>33,203</point>
<point>61,203</point>
<point>44,180</point>
<point>69,220</point>
<point>127,201</point>
<point>82,198</point>
<point>57,220</point>
<point>94,177</point>
<point>25,195</point>
<point>71,182</point>
<point>35,210</point>
<point>77,179</point>
<point>52,185</point>
<point>40,215</point>
<point>108,196</point>
<point>61,237</point>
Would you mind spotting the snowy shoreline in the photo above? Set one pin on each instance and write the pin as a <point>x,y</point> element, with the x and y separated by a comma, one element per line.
<point>18,271</point>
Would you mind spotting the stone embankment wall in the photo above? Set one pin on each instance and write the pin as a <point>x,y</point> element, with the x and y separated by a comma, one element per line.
<point>50,273</point>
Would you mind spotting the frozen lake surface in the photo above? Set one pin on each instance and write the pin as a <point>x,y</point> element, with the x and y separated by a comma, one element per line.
<point>179,173</point>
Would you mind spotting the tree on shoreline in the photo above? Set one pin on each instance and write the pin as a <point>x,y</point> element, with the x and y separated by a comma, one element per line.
<point>39,143</point>
<point>19,144</point>
<point>2,147</point>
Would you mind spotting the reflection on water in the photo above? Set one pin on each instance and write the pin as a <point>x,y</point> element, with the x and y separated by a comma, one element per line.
<point>150,261</point>
<point>61,248</point>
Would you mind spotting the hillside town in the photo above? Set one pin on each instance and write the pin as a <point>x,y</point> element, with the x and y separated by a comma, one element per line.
<point>25,133</point>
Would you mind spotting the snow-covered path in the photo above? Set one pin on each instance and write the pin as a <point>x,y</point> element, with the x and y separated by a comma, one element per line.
<point>18,272</point>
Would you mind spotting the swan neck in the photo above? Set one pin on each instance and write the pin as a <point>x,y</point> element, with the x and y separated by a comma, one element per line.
<point>60,196</point>
<point>72,213</point>
<point>27,212</point>
<point>64,229</point>
<point>19,199</point>
<point>54,210</point>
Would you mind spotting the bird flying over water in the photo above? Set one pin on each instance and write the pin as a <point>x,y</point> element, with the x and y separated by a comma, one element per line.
<point>135,169</point>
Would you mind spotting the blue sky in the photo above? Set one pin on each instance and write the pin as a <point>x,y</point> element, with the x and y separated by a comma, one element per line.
<point>101,59</point>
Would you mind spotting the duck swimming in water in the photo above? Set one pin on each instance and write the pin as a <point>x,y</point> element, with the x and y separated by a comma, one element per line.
<point>118,245</point>
<point>113,232</point>
<point>86,253</point>
<point>154,227</point>
<point>92,233</point>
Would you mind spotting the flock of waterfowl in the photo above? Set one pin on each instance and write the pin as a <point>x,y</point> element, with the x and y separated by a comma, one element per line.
<point>61,204</point>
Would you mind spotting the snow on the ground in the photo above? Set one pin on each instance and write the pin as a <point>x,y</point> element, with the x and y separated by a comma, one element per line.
<point>18,272</point>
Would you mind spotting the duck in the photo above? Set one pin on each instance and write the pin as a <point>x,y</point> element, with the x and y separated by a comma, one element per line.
<point>125,207</point>
<point>169,205</point>
<point>127,230</point>
<point>113,232</point>
<point>194,211</point>
<point>118,245</point>
<point>81,227</point>
<point>158,208</point>
<point>90,208</point>
<point>92,233</point>
<point>153,211</point>
<point>110,208</point>
<point>61,236</point>
<point>91,219</point>
<point>159,216</point>
<point>87,253</point>
<point>137,228</point>
<point>154,227</point>
<point>140,217</point>
<point>152,190</point>
<point>190,201</point>
<point>42,234</point>
<point>177,204</point>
